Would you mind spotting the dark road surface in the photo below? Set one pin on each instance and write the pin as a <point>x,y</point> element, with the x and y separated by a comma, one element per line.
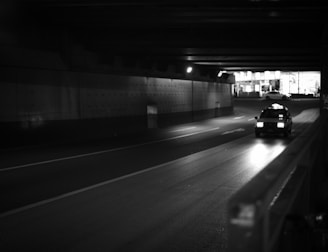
<point>166,193</point>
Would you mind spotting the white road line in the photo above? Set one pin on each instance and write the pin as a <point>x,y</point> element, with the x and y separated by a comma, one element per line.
<point>88,188</point>
<point>251,119</point>
<point>233,131</point>
<point>72,193</point>
<point>183,129</point>
<point>238,117</point>
<point>103,151</point>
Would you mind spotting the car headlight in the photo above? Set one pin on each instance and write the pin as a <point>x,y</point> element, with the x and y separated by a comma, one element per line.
<point>280,125</point>
<point>259,125</point>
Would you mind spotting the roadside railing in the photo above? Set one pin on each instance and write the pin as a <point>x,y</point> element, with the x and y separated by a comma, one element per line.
<point>269,213</point>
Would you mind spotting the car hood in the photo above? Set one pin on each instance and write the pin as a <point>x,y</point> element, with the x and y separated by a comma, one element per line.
<point>270,120</point>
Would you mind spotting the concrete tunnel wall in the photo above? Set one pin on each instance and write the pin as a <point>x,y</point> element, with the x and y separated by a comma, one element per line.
<point>37,100</point>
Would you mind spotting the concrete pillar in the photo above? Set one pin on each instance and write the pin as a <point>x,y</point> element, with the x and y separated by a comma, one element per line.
<point>324,71</point>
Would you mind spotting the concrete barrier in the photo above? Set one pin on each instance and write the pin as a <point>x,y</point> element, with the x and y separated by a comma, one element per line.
<point>259,213</point>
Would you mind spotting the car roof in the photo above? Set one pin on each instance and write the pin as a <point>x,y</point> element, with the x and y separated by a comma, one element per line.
<point>273,92</point>
<point>277,106</point>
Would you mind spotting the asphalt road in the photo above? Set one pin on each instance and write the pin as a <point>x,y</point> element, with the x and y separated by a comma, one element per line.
<point>165,192</point>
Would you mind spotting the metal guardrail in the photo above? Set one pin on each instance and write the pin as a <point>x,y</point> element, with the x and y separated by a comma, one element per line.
<point>258,213</point>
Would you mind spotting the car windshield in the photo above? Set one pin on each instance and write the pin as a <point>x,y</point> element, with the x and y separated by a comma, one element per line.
<point>273,113</point>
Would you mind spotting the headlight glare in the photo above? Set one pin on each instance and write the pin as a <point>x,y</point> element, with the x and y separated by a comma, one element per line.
<point>259,124</point>
<point>280,125</point>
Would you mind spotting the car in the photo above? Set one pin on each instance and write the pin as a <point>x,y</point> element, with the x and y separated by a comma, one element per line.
<point>274,119</point>
<point>275,95</point>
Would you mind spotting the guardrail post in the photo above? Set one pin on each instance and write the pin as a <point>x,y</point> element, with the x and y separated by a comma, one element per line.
<point>244,228</point>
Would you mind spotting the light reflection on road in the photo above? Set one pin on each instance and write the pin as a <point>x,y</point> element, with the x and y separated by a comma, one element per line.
<point>263,151</point>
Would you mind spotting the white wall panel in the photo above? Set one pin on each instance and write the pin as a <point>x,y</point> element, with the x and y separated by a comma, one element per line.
<point>49,95</point>
<point>60,95</point>
<point>8,104</point>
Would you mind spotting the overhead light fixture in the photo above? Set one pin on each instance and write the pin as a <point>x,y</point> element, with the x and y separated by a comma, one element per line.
<point>189,69</point>
<point>220,73</point>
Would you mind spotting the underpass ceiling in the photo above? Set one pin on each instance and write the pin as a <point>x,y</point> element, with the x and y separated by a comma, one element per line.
<point>228,35</point>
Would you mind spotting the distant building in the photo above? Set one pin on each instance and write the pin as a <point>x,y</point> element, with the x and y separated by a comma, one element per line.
<point>250,84</point>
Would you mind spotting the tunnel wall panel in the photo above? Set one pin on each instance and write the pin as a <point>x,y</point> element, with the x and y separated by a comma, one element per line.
<point>170,96</point>
<point>111,96</point>
<point>46,95</point>
<point>68,101</point>
<point>8,95</point>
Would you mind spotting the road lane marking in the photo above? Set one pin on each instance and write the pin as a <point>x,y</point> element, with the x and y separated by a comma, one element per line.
<point>104,151</point>
<point>88,188</point>
<point>251,119</point>
<point>238,117</point>
<point>104,183</point>
<point>233,131</point>
<point>183,129</point>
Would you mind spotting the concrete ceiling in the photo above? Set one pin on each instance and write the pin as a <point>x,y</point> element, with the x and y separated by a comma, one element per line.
<point>228,35</point>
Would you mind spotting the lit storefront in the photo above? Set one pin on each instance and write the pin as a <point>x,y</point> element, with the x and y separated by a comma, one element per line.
<point>255,84</point>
